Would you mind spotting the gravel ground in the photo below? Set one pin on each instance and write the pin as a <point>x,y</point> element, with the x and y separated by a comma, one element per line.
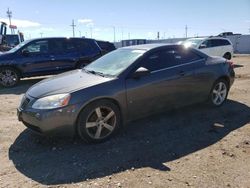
<point>196,146</point>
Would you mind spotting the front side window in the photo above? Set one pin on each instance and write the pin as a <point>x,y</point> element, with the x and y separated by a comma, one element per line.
<point>207,44</point>
<point>38,47</point>
<point>169,58</point>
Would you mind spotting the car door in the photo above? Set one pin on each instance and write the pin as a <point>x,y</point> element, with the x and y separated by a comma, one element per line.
<point>192,81</point>
<point>216,47</point>
<point>63,54</point>
<point>157,90</point>
<point>35,58</point>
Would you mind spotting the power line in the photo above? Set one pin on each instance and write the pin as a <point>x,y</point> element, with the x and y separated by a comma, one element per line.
<point>73,27</point>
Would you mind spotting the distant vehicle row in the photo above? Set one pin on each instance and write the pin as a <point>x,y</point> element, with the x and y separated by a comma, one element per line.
<point>47,56</point>
<point>212,46</point>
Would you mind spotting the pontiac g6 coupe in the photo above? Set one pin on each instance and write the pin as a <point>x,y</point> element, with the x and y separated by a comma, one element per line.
<point>126,84</point>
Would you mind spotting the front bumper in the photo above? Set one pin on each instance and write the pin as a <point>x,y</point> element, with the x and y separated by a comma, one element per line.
<point>60,121</point>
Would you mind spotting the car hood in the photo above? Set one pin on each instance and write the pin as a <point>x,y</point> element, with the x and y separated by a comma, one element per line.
<point>6,56</point>
<point>66,83</point>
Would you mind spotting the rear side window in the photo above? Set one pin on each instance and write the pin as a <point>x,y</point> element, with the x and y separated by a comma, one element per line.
<point>225,42</point>
<point>57,46</point>
<point>219,42</point>
<point>86,47</point>
<point>184,55</point>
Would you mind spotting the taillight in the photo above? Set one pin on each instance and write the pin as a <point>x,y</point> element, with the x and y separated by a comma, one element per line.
<point>231,63</point>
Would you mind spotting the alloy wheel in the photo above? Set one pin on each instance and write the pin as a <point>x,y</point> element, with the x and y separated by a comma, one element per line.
<point>101,122</point>
<point>219,93</point>
<point>8,77</point>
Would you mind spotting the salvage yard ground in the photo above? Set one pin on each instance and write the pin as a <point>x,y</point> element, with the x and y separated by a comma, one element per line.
<point>196,146</point>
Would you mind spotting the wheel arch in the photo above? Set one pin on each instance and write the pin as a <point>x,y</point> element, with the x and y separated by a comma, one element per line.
<point>229,54</point>
<point>224,77</point>
<point>12,67</point>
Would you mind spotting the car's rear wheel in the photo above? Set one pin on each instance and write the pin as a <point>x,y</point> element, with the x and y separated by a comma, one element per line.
<point>98,121</point>
<point>219,92</point>
<point>227,56</point>
<point>9,77</point>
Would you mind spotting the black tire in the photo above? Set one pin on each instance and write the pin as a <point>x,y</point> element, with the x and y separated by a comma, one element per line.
<point>9,77</point>
<point>219,92</point>
<point>227,56</point>
<point>93,128</point>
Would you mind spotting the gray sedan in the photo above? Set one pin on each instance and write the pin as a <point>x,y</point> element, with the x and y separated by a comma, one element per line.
<point>128,83</point>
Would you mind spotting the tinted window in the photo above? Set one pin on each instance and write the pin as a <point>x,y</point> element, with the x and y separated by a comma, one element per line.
<point>57,46</point>
<point>225,42</point>
<point>207,43</point>
<point>186,55</point>
<point>169,58</point>
<point>219,42</point>
<point>38,47</point>
<point>84,47</point>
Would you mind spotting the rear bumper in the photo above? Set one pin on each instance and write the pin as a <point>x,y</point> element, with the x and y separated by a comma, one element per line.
<point>56,122</point>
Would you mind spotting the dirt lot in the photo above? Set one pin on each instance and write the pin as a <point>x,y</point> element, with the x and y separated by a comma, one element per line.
<point>196,146</point>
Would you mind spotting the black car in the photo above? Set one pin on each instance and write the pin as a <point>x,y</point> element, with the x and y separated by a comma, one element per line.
<point>123,85</point>
<point>46,56</point>
<point>106,46</point>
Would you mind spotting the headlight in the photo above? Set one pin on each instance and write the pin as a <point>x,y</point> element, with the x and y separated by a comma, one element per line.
<point>51,102</point>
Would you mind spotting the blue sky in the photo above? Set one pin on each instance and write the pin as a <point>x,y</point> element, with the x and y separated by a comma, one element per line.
<point>129,19</point>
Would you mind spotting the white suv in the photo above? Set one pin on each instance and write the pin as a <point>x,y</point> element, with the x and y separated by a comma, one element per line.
<point>212,46</point>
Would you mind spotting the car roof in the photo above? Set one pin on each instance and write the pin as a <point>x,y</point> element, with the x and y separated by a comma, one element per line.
<point>61,38</point>
<point>149,46</point>
<point>205,38</point>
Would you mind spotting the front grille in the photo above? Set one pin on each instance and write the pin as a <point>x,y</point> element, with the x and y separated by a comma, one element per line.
<point>25,102</point>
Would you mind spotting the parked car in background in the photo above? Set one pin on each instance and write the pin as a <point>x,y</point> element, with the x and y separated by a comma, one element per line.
<point>106,46</point>
<point>46,56</point>
<point>225,34</point>
<point>212,46</point>
<point>124,85</point>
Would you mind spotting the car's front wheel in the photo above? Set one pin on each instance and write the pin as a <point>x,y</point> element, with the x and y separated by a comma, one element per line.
<point>9,77</point>
<point>219,92</point>
<point>98,121</point>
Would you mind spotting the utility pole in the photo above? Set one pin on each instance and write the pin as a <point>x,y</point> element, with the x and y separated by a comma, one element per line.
<point>186,31</point>
<point>80,34</point>
<point>9,15</point>
<point>114,33</point>
<point>129,36</point>
<point>41,35</point>
<point>73,27</point>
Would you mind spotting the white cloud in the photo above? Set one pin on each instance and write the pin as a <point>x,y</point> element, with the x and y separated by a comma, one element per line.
<point>87,22</point>
<point>21,23</point>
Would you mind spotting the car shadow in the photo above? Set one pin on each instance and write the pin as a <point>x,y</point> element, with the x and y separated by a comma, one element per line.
<point>149,142</point>
<point>22,86</point>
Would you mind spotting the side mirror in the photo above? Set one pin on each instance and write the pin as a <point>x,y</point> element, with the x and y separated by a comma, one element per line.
<point>25,52</point>
<point>140,72</point>
<point>202,46</point>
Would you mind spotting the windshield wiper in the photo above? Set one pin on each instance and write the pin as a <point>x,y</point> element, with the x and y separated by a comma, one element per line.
<point>97,73</point>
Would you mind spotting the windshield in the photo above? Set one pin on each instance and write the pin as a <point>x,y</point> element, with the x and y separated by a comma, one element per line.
<point>18,46</point>
<point>192,43</point>
<point>114,62</point>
